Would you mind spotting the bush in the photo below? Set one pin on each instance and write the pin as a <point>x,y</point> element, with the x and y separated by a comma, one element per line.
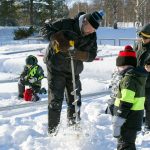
<point>22,33</point>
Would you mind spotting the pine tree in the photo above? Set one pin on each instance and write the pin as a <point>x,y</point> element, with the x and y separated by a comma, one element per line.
<point>8,12</point>
<point>55,9</point>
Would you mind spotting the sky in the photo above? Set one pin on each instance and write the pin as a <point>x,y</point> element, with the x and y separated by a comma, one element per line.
<point>70,3</point>
<point>26,128</point>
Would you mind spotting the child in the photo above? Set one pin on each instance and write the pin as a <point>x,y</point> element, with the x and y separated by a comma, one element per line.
<point>129,103</point>
<point>117,75</point>
<point>114,84</point>
<point>31,76</point>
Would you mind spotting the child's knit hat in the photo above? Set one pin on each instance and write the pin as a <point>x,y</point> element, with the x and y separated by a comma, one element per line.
<point>126,57</point>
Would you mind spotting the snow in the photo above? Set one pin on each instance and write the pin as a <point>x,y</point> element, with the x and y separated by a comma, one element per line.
<point>26,128</point>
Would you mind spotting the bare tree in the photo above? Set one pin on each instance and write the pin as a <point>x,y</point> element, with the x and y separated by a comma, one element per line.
<point>142,12</point>
<point>78,7</point>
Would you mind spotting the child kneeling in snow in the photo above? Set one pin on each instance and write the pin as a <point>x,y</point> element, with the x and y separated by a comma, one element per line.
<point>129,103</point>
<point>32,76</point>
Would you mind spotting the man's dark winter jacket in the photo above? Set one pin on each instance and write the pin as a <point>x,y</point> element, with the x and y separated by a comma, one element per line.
<point>129,103</point>
<point>143,54</point>
<point>61,61</point>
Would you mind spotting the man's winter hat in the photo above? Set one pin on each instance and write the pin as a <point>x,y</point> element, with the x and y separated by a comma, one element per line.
<point>145,31</point>
<point>95,18</point>
<point>31,60</point>
<point>126,57</point>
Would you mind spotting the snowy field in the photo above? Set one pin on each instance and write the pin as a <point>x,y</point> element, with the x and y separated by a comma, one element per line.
<point>26,128</point>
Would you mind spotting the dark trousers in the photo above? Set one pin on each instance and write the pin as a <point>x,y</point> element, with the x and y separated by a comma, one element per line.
<point>127,139</point>
<point>57,82</point>
<point>147,108</point>
<point>21,87</point>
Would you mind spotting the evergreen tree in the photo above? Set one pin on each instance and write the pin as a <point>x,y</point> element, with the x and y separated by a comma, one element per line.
<point>37,11</point>
<point>53,10</point>
<point>8,12</point>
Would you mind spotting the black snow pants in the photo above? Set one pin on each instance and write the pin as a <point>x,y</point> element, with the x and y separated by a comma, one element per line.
<point>147,108</point>
<point>127,139</point>
<point>57,83</point>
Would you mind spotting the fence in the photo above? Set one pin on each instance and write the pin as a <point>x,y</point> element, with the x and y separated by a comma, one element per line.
<point>130,40</point>
<point>110,41</point>
<point>119,42</point>
<point>36,40</point>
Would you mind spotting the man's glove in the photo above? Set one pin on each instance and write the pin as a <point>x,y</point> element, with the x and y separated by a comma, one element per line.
<point>80,55</point>
<point>32,80</point>
<point>60,41</point>
<point>117,124</point>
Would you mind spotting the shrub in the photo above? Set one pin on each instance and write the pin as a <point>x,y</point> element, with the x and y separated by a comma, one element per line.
<point>22,33</point>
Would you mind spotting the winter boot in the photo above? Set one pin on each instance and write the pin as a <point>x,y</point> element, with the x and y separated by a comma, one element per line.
<point>71,117</point>
<point>147,128</point>
<point>35,98</point>
<point>20,97</point>
<point>71,122</point>
<point>53,132</point>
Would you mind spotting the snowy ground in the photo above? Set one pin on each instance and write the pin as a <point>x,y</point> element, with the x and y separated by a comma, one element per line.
<point>26,128</point>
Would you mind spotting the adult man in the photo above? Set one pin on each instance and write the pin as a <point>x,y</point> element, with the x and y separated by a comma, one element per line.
<point>82,31</point>
<point>143,54</point>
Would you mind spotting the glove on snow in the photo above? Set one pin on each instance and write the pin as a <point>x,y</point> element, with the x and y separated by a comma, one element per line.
<point>117,124</point>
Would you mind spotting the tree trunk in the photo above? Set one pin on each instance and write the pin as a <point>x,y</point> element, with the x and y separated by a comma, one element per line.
<point>31,12</point>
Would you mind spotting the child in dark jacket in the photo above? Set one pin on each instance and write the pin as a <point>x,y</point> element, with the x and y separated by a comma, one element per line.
<point>117,75</point>
<point>31,76</point>
<point>129,103</point>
